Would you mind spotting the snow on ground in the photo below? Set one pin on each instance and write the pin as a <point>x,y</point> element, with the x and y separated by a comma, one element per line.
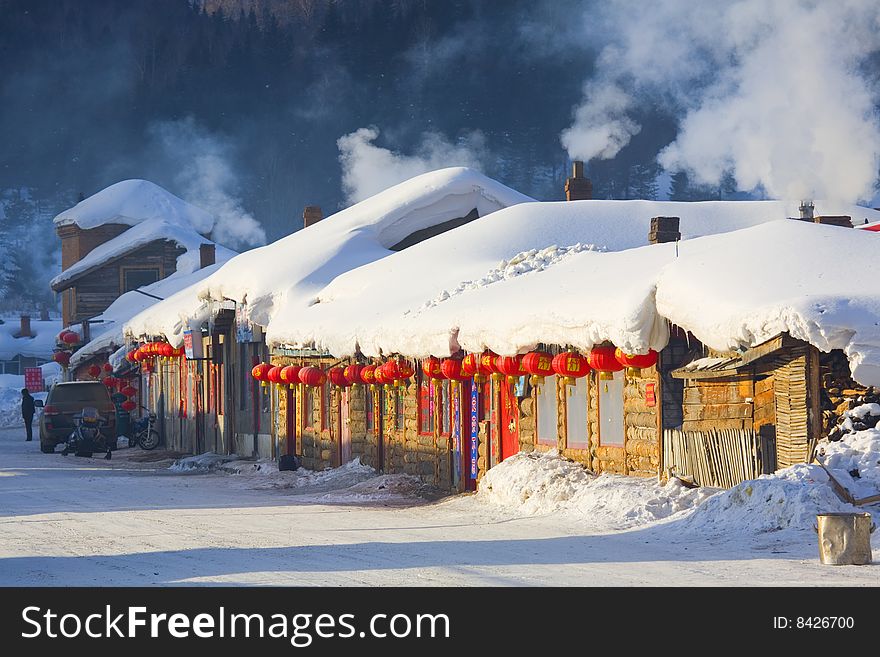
<point>854,460</point>
<point>546,483</point>
<point>131,521</point>
<point>298,266</point>
<point>350,483</point>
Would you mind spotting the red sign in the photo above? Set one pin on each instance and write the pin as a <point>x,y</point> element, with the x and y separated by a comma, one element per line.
<point>33,379</point>
<point>650,396</point>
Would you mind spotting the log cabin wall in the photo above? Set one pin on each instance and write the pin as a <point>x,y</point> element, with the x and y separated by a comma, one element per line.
<point>798,415</point>
<point>641,401</point>
<point>719,403</point>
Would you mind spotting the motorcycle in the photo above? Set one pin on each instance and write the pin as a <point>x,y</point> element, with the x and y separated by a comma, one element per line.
<point>86,438</point>
<point>145,434</point>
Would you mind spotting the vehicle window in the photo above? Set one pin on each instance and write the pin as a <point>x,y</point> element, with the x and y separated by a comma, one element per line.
<point>75,394</point>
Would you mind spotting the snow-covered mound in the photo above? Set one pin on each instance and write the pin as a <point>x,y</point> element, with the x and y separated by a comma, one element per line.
<point>207,462</point>
<point>298,266</point>
<point>40,345</point>
<point>863,416</point>
<point>542,483</point>
<point>791,498</point>
<point>132,202</point>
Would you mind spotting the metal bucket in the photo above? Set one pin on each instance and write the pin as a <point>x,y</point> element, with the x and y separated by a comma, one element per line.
<point>844,538</point>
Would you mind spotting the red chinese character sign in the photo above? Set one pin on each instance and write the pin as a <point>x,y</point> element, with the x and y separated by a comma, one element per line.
<point>33,379</point>
<point>650,395</point>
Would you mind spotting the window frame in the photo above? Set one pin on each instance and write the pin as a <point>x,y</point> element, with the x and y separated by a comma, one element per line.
<point>426,406</point>
<point>124,271</point>
<point>548,388</point>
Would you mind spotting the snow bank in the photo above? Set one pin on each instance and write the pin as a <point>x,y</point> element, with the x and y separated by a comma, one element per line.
<point>132,202</point>
<point>855,461</point>
<point>543,483</point>
<point>10,401</point>
<point>206,462</point>
<point>298,266</point>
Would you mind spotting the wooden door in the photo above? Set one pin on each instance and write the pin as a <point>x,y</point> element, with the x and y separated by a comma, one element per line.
<point>509,421</point>
<point>290,410</point>
<point>344,428</point>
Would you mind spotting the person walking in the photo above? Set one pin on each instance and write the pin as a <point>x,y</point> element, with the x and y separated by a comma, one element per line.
<point>27,412</point>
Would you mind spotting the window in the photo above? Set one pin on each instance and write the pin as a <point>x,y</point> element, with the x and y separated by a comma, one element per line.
<point>135,278</point>
<point>577,436</point>
<point>426,406</point>
<point>325,406</point>
<point>611,411</point>
<point>369,410</point>
<point>398,393</point>
<point>445,408</point>
<point>308,400</point>
<point>548,422</point>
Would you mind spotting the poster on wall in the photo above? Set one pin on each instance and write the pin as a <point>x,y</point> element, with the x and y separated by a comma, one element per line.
<point>475,430</point>
<point>33,379</point>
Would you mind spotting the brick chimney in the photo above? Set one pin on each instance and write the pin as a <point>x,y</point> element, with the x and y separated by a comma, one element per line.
<point>577,187</point>
<point>25,330</point>
<point>664,229</point>
<point>207,255</point>
<point>311,215</point>
<point>844,221</point>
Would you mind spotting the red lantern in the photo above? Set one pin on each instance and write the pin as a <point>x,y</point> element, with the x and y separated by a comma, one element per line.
<point>379,376</point>
<point>109,381</point>
<point>452,369</point>
<point>478,366</point>
<point>166,350</point>
<point>352,373</point>
<point>94,371</point>
<point>128,405</point>
<point>337,377</point>
<point>131,356</point>
<point>290,375</point>
<point>603,361</point>
<point>62,358</point>
<point>129,391</point>
<point>368,374</point>
<point>107,367</point>
<point>431,368</point>
<point>274,374</point>
<point>510,366</point>
<point>261,373</point>
<point>570,365</point>
<point>312,376</point>
<point>397,370</point>
<point>635,362</point>
<point>539,364</point>
<point>69,337</point>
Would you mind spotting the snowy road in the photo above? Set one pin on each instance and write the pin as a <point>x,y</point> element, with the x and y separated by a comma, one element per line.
<point>74,521</point>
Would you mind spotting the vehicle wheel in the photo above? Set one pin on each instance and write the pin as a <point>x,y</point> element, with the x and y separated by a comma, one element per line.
<point>150,440</point>
<point>46,448</point>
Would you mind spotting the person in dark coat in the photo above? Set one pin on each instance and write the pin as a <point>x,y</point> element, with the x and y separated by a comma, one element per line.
<point>27,412</point>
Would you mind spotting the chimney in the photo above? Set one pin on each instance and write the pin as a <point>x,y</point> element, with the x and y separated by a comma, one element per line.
<point>207,255</point>
<point>578,188</point>
<point>844,221</point>
<point>806,209</point>
<point>25,330</point>
<point>664,229</point>
<point>311,215</point>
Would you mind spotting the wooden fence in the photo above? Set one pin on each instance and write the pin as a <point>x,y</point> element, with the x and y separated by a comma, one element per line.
<point>720,458</point>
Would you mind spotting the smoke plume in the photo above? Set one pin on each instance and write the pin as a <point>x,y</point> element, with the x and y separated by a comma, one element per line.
<point>206,178</point>
<point>368,169</point>
<point>774,92</point>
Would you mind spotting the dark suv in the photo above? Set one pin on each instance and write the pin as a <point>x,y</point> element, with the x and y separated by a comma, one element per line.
<point>68,399</point>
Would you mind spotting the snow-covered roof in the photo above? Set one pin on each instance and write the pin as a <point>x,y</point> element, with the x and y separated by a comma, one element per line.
<point>298,266</point>
<point>132,202</point>
<point>107,329</point>
<point>465,288</point>
<point>40,345</point>
<point>137,237</point>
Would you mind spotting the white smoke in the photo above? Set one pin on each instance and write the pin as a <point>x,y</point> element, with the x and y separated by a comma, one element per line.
<point>206,179</point>
<point>368,169</point>
<point>773,91</point>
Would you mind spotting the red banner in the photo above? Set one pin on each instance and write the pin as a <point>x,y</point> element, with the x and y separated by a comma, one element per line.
<point>33,379</point>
